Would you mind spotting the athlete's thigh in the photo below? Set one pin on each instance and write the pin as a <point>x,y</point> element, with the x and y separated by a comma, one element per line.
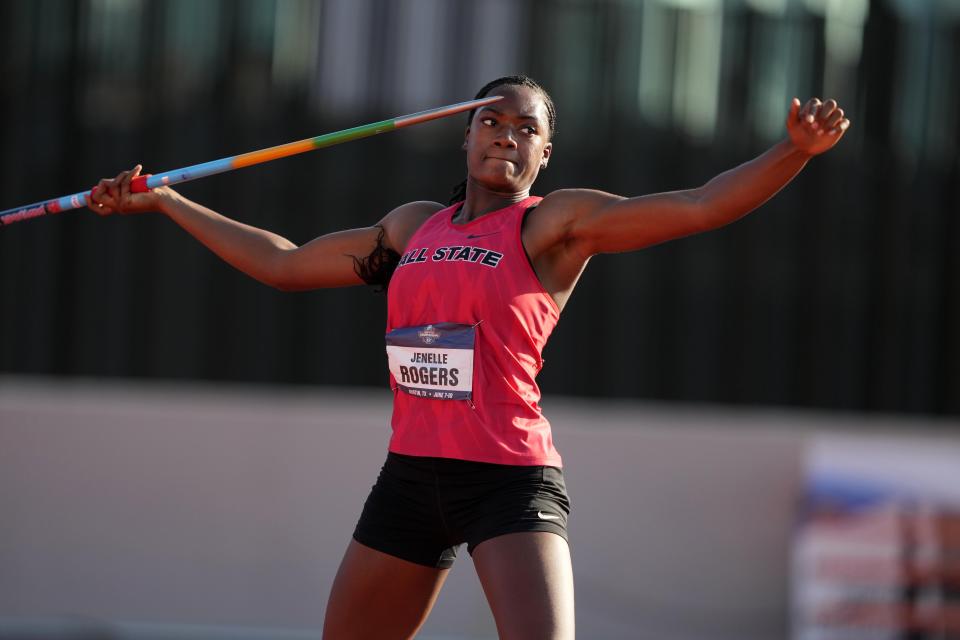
<point>528,580</point>
<point>378,596</point>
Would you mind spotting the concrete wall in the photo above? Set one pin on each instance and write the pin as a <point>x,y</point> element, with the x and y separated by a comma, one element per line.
<point>231,506</point>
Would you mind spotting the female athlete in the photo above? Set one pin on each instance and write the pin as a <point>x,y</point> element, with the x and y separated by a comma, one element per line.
<point>474,290</point>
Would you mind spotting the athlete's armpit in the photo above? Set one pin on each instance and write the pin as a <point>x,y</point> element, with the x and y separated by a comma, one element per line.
<point>377,267</point>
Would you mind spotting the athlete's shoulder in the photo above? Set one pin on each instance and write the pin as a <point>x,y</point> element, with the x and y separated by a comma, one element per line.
<point>577,200</point>
<point>400,224</point>
<point>553,221</point>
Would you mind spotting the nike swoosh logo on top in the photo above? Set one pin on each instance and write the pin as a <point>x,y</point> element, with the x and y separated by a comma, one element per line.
<point>481,235</point>
<point>547,516</point>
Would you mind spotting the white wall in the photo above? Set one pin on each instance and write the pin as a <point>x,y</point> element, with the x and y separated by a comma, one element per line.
<point>231,506</point>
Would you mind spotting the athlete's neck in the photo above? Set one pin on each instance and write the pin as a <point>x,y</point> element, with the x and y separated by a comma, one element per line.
<point>481,200</point>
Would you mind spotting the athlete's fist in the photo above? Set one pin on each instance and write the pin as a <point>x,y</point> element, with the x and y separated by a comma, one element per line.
<point>816,126</point>
<point>113,195</point>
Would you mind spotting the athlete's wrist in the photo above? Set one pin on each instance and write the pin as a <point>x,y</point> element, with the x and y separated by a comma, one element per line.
<point>167,200</point>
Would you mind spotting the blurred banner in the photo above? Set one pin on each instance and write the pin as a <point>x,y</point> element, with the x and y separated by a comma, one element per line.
<point>877,548</point>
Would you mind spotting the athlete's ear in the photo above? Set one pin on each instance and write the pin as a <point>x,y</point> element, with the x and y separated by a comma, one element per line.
<point>547,150</point>
<point>466,134</point>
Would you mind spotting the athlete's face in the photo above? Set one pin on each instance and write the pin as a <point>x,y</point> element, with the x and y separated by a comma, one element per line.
<point>508,142</point>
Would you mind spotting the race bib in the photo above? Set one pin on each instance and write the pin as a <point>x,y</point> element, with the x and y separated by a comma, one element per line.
<point>433,361</point>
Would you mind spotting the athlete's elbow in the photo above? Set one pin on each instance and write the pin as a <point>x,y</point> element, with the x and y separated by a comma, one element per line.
<point>288,283</point>
<point>277,272</point>
<point>274,281</point>
<point>703,212</point>
<point>286,287</point>
<point>713,209</point>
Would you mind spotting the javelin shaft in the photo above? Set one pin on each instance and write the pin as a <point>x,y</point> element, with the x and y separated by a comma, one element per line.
<point>176,176</point>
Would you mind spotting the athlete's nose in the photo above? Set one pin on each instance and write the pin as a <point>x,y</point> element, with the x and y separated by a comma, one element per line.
<point>506,139</point>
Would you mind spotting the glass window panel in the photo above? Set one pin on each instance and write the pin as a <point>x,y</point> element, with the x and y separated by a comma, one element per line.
<point>193,48</point>
<point>573,60</point>
<point>48,36</point>
<point>698,70</point>
<point>422,28</point>
<point>114,34</point>
<point>657,62</point>
<point>344,67</point>
<point>628,27</point>
<point>910,110</point>
<point>781,66</point>
<point>496,32</point>
<point>943,105</point>
<point>257,25</point>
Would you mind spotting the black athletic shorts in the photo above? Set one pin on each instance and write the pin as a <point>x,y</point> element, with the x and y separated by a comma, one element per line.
<point>421,509</point>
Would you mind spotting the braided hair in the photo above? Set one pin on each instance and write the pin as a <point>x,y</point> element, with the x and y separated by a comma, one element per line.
<point>459,193</point>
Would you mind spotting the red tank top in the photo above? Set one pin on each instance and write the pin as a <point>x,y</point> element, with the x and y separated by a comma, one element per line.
<point>460,291</point>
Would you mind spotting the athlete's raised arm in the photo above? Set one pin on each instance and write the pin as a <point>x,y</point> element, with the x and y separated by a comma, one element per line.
<point>327,261</point>
<point>596,222</point>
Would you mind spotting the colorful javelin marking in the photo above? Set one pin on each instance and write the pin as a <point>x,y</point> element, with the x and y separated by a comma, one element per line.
<point>147,182</point>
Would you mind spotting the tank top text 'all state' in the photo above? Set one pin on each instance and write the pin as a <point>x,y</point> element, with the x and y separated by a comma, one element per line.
<point>458,284</point>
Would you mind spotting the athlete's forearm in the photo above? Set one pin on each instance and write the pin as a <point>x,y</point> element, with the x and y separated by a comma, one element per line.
<point>253,251</point>
<point>740,190</point>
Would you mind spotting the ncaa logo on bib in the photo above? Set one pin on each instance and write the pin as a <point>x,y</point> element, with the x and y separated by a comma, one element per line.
<point>429,335</point>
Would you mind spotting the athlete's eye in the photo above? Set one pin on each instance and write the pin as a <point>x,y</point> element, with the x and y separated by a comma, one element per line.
<point>488,121</point>
<point>530,130</point>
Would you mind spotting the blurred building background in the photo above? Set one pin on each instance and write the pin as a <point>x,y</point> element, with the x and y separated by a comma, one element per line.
<point>836,308</point>
<point>840,293</point>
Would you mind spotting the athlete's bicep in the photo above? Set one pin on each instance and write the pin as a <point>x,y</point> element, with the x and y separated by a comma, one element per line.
<point>326,262</point>
<point>338,259</point>
<point>628,224</point>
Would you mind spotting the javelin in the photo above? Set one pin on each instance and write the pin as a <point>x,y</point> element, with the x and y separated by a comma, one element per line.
<point>144,183</point>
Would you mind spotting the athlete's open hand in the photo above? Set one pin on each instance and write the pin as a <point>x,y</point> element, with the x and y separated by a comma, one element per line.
<point>113,195</point>
<point>817,126</point>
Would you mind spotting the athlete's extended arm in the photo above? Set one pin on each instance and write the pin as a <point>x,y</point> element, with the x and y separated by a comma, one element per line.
<point>327,261</point>
<point>603,223</point>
